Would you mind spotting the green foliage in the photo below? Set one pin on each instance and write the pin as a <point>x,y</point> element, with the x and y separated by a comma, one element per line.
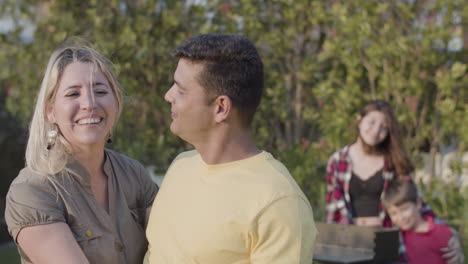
<point>10,256</point>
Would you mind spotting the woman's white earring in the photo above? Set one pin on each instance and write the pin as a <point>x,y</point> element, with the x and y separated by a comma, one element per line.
<point>51,138</point>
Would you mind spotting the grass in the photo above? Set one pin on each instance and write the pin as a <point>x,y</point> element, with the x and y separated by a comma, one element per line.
<point>9,256</point>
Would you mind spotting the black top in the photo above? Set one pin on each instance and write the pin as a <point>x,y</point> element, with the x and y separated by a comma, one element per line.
<point>365,195</point>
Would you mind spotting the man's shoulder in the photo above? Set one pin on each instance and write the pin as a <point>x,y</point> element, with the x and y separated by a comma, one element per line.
<point>276,166</point>
<point>186,155</point>
<point>276,179</point>
<point>185,159</point>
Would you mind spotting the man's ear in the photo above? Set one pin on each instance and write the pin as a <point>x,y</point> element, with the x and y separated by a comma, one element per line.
<point>223,105</point>
<point>50,113</point>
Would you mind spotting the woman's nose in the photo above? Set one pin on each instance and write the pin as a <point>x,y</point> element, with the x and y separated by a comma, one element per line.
<point>88,101</point>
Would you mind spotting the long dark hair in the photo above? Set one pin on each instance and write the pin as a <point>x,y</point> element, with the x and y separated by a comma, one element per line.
<point>392,146</point>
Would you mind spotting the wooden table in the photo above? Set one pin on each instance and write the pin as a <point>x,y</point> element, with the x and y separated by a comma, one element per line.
<point>350,244</point>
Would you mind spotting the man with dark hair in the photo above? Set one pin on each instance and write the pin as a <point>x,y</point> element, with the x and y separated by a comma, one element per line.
<point>226,201</point>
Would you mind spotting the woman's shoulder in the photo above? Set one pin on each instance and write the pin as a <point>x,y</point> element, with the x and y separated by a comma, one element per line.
<point>124,166</point>
<point>31,184</point>
<point>122,160</point>
<point>27,176</point>
<point>340,153</point>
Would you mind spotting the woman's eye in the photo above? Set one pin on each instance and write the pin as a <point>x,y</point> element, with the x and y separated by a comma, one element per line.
<point>101,92</point>
<point>72,94</point>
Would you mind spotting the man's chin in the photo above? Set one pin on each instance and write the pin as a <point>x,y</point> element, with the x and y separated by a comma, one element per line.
<point>174,129</point>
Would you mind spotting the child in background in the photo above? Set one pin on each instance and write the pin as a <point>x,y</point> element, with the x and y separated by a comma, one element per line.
<point>422,238</point>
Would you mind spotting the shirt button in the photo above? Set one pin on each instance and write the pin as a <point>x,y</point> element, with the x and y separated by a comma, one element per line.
<point>118,247</point>
<point>89,233</point>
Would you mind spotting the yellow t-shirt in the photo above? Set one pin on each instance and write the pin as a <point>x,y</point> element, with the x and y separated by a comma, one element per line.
<point>246,211</point>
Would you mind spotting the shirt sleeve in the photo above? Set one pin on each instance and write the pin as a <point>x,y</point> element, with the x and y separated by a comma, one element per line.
<point>334,194</point>
<point>29,204</point>
<point>149,188</point>
<point>284,233</point>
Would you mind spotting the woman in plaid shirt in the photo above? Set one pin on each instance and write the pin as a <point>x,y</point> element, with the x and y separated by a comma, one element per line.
<point>359,173</point>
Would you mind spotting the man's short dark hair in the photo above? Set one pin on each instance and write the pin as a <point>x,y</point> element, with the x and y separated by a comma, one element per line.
<point>231,67</point>
<point>400,192</point>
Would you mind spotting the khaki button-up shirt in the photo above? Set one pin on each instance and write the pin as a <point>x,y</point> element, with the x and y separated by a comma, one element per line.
<point>117,236</point>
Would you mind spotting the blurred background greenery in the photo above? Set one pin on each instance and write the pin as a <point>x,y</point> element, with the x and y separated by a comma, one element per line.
<point>323,61</point>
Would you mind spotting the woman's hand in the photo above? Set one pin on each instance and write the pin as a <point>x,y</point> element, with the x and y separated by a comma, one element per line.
<point>453,252</point>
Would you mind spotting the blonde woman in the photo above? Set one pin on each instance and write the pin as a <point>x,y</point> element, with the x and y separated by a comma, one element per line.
<point>75,201</point>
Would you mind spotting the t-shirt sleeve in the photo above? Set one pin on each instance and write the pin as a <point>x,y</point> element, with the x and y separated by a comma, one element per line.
<point>29,204</point>
<point>150,188</point>
<point>284,233</point>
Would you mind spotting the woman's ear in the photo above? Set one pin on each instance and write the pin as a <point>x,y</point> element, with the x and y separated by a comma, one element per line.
<point>50,113</point>
<point>223,105</point>
<point>358,118</point>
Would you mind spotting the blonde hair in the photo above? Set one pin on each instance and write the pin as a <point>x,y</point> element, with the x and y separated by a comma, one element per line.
<point>38,158</point>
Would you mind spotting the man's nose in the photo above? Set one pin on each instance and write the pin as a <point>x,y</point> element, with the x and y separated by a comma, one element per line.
<point>168,96</point>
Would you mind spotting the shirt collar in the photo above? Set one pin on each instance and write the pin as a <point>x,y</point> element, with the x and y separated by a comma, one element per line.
<point>82,174</point>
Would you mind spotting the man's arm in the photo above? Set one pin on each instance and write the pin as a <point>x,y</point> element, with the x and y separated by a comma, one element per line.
<point>284,233</point>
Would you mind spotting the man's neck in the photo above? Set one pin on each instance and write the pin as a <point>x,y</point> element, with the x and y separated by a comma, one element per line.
<point>227,145</point>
